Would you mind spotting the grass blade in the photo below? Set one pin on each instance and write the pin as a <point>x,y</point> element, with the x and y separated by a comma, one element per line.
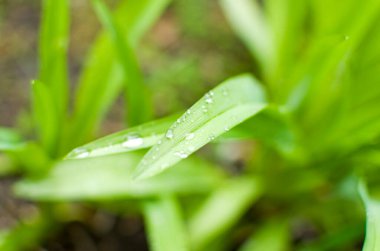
<point>166,230</point>
<point>274,235</point>
<point>107,178</point>
<point>138,106</point>
<point>53,48</point>
<point>372,238</point>
<point>45,115</point>
<point>101,79</point>
<point>210,221</point>
<point>26,236</point>
<point>271,127</point>
<point>248,21</point>
<point>135,138</point>
<point>219,110</point>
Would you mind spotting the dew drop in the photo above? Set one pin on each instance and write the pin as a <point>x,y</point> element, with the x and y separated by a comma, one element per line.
<point>209,99</point>
<point>181,154</point>
<point>81,153</point>
<point>190,136</point>
<point>169,134</point>
<point>204,109</point>
<point>211,137</point>
<point>133,141</point>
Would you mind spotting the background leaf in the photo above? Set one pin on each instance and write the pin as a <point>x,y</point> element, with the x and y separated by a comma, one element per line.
<point>137,99</point>
<point>166,230</point>
<point>109,177</point>
<point>372,241</point>
<point>53,71</point>
<point>101,79</point>
<point>234,198</point>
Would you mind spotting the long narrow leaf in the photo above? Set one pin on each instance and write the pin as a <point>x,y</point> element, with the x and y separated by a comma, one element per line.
<point>274,236</point>
<point>138,106</point>
<point>109,177</point>
<point>271,127</point>
<point>53,61</point>
<point>219,110</point>
<point>53,49</point>
<point>248,21</point>
<point>222,210</point>
<point>372,238</point>
<point>166,230</point>
<point>45,114</point>
<point>101,79</point>
<point>135,138</point>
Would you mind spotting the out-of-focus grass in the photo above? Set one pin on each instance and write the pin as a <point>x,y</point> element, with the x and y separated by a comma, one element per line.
<point>310,118</point>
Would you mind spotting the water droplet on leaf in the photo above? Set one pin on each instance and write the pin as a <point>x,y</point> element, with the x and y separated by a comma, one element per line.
<point>209,99</point>
<point>81,153</point>
<point>181,154</point>
<point>133,141</point>
<point>190,136</point>
<point>169,134</point>
<point>211,137</point>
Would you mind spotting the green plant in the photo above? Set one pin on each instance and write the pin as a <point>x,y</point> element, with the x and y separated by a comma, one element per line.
<point>312,113</point>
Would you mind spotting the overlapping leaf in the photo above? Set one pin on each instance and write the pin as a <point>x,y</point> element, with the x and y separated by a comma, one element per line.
<point>222,108</point>
<point>109,177</point>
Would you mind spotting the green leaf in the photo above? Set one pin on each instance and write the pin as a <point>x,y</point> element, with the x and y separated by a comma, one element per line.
<point>224,107</point>
<point>101,78</point>
<point>138,103</point>
<point>26,235</point>
<point>222,210</point>
<point>45,115</point>
<point>248,21</point>
<point>347,236</point>
<point>271,127</point>
<point>372,206</point>
<point>9,139</point>
<point>53,50</point>
<point>53,72</point>
<point>135,138</point>
<point>32,159</point>
<point>274,235</point>
<point>286,19</point>
<point>109,177</point>
<point>166,230</point>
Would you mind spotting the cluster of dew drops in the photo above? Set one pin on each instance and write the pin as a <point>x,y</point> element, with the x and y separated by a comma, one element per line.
<point>133,141</point>
<point>208,99</point>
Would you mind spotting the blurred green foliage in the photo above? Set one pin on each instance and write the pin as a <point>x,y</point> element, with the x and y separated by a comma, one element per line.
<point>293,152</point>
